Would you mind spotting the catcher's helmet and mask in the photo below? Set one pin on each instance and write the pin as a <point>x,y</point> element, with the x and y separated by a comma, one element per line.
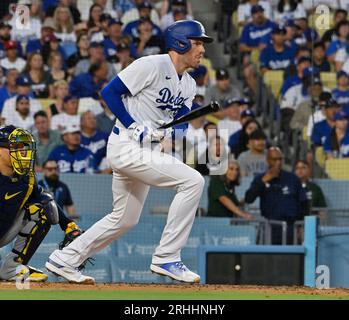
<point>179,34</point>
<point>22,147</point>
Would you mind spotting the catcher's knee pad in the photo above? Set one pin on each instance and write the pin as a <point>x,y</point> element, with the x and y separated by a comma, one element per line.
<point>48,206</point>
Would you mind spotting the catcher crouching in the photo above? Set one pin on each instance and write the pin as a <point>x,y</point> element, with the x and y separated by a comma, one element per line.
<point>26,210</point>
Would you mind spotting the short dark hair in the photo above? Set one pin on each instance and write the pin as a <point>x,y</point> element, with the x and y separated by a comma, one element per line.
<point>302,48</point>
<point>319,44</point>
<point>95,67</point>
<point>46,161</point>
<point>40,113</point>
<point>338,11</point>
<point>304,162</point>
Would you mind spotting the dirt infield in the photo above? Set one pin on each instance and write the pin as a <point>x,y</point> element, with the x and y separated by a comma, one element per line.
<point>263,290</point>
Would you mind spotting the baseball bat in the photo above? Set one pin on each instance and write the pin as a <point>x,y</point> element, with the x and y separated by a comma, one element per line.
<point>210,108</point>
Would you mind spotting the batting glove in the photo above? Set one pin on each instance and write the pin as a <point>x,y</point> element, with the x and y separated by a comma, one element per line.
<point>144,134</point>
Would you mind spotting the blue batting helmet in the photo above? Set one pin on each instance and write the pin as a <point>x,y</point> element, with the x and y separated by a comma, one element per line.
<point>178,35</point>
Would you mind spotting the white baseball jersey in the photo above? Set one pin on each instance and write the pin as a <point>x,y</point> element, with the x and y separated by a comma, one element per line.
<point>157,91</point>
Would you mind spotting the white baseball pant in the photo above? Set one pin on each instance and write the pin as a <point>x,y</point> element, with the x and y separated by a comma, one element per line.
<point>135,168</point>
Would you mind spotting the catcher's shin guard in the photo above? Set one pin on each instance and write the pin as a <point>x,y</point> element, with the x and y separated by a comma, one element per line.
<point>35,227</point>
<point>32,234</point>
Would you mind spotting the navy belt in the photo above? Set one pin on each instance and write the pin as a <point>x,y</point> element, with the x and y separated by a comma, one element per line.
<point>116,130</point>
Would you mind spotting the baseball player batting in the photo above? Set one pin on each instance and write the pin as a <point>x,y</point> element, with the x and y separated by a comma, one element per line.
<point>150,92</point>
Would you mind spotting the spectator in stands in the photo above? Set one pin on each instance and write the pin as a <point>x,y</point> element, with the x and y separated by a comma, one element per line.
<point>320,62</point>
<point>96,55</point>
<point>294,72</point>
<point>147,41</point>
<point>69,116</point>
<point>83,44</point>
<point>130,11</point>
<point>107,7</point>
<point>222,200</point>
<point>168,19</point>
<point>288,10</point>
<point>64,25</point>
<point>94,20</point>
<point>210,129</point>
<point>291,35</point>
<point>211,161</point>
<point>51,45</point>
<point>22,88</point>
<point>309,34</point>
<point>74,12</point>
<point>30,27</point>
<point>341,92</point>
<point>238,142</point>
<point>92,138</point>
<point>131,29</point>
<point>276,56</point>
<point>89,84</point>
<point>105,120</point>
<point>255,36</point>
<point>9,89</point>
<point>60,91</point>
<point>12,60</point>
<point>281,195</point>
<point>315,195</point>
<point>5,35</point>
<point>40,80</point>
<point>46,139</point>
<point>223,89</point>
<point>231,121</point>
<point>336,143</point>
<point>179,14</point>
<point>303,67</point>
<point>322,129</point>
<point>254,160</point>
<point>341,40</point>
<point>330,34</point>
<point>21,116</point>
<point>59,190</point>
<point>245,116</point>
<point>55,63</point>
<point>72,157</point>
<point>123,57</point>
<point>309,111</point>
<point>200,76</point>
<point>311,87</point>
<point>244,11</point>
<point>114,39</point>
<point>47,29</point>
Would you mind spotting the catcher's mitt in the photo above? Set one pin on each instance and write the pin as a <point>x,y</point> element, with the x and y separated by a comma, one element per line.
<point>71,233</point>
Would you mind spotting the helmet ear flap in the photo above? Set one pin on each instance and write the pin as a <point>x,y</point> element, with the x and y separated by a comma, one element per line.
<point>182,47</point>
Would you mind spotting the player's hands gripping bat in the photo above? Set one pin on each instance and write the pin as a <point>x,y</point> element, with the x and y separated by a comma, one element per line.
<point>211,108</point>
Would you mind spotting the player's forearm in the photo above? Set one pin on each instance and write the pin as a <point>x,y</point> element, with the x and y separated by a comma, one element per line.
<point>112,95</point>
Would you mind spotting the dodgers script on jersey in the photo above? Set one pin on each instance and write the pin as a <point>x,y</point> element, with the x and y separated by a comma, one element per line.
<point>157,91</point>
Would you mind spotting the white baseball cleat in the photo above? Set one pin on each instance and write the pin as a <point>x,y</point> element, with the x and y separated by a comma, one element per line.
<point>71,274</point>
<point>177,271</point>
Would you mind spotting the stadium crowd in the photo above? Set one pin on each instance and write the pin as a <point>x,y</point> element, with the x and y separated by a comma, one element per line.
<point>54,66</point>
